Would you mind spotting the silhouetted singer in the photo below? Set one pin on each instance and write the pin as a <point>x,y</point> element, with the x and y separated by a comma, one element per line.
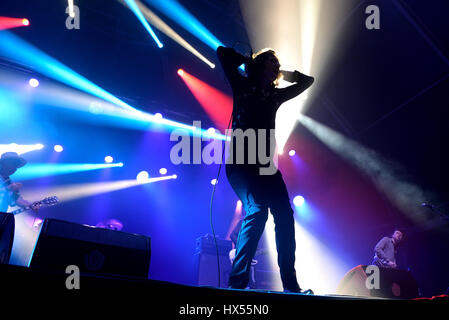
<point>256,101</point>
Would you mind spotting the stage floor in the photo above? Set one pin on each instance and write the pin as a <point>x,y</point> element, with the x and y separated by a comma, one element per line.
<point>107,294</point>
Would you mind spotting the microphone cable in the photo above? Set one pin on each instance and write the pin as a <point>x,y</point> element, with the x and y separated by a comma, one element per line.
<point>214,187</point>
<point>210,207</point>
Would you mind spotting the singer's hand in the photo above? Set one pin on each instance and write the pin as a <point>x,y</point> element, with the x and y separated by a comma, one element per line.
<point>291,76</point>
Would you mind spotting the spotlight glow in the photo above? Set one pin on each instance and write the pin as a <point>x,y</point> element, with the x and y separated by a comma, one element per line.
<point>58,148</point>
<point>383,172</point>
<point>20,148</point>
<point>311,256</point>
<point>185,19</point>
<point>238,206</point>
<point>163,171</point>
<point>291,153</point>
<point>142,176</point>
<point>209,98</point>
<point>85,107</point>
<point>213,182</point>
<point>9,23</point>
<point>298,201</point>
<point>169,32</point>
<point>78,191</point>
<point>304,41</point>
<point>158,115</point>
<point>108,159</point>
<point>33,82</point>
<point>40,170</point>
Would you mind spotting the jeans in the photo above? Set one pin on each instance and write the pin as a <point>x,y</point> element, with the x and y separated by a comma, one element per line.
<point>258,193</point>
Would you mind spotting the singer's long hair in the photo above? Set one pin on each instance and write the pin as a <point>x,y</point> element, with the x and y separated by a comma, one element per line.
<point>258,59</point>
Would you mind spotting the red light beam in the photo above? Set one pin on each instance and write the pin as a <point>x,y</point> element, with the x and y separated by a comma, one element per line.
<point>217,104</point>
<point>9,23</point>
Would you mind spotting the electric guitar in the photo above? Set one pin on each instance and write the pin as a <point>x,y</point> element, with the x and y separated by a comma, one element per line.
<point>49,201</point>
<point>382,263</point>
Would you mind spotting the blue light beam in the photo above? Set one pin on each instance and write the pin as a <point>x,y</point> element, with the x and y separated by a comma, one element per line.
<point>24,53</point>
<point>40,170</point>
<point>19,50</point>
<point>133,6</point>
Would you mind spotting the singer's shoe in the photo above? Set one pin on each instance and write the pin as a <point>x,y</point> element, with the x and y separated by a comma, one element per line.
<point>307,292</point>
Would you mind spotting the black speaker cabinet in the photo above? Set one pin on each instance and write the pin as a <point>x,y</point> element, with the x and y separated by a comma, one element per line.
<point>92,250</point>
<point>6,236</point>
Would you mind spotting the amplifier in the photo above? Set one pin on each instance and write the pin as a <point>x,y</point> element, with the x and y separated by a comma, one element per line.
<point>206,269</point>
<point>206,244</point>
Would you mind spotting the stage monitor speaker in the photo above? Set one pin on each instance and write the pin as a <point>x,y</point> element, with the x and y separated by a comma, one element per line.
<point>393,283</point>
<point>93,250</point>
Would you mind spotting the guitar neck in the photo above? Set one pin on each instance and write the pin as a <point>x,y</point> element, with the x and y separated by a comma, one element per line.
<point>49,201</point>
<point>17,211</point>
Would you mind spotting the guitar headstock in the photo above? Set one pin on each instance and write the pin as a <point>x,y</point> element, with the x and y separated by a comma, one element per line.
<point>50,201</point>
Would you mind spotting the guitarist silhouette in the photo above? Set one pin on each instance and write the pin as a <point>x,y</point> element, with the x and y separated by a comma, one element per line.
<point>10,196</point>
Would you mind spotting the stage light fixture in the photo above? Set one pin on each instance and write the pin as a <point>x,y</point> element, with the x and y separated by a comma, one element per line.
<point>142,176</point>
<point>58,148</point>
<point>158,115</point>
<point>33,82</point>
<point>108,159</point>
<point>163,171</point>
<point>298,201</point>
<point>291,153</point>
